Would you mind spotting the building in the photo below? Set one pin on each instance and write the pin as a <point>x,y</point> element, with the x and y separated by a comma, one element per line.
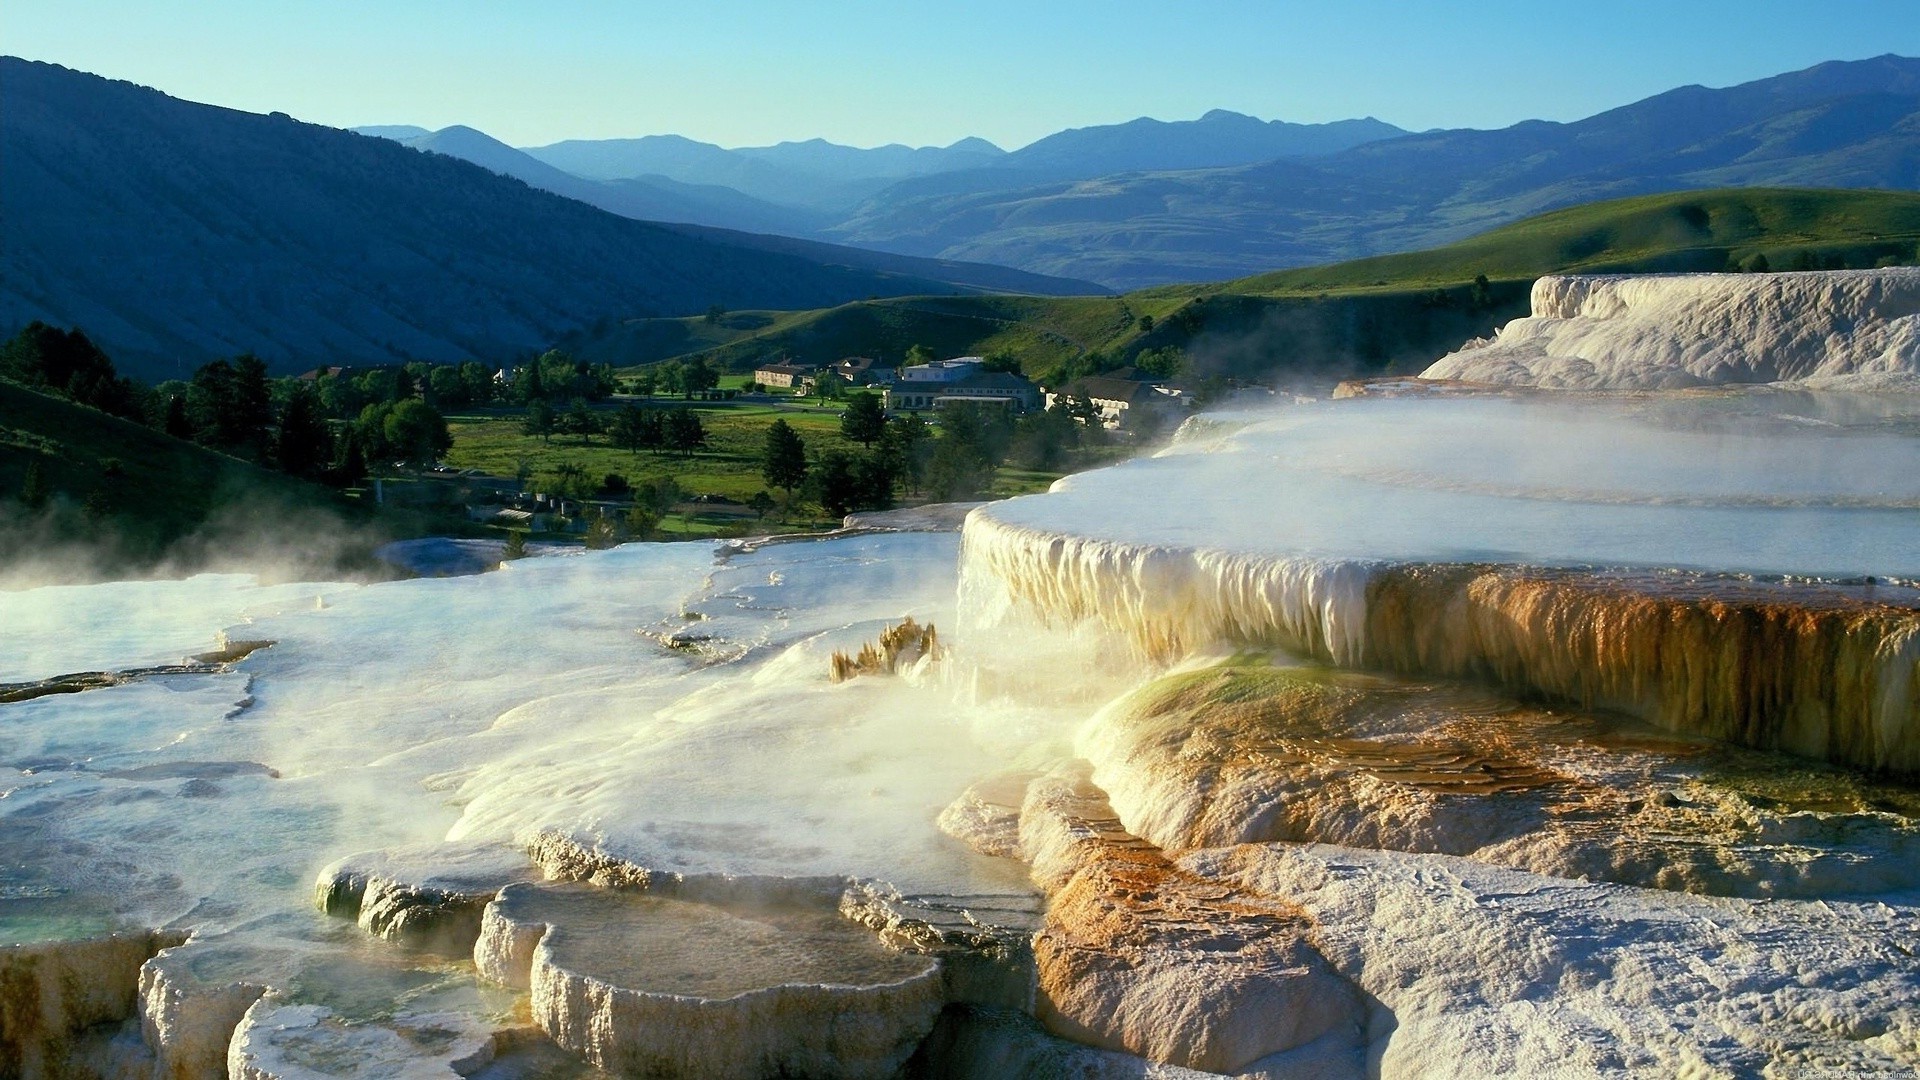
<point>784,376</point>
<point>943,382</point>
<point>941,371</point>
<point>1127,403</point>
<point>864,371</point>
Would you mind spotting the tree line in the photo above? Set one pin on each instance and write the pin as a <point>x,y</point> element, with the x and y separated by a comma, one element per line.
<point>325,429</point>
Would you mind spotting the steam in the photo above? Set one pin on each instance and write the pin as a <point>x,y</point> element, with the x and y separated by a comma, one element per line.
<point>538,699</point>
<point>271,538</point>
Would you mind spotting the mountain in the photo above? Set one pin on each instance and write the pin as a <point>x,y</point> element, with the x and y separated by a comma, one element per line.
<point>833,179</point>
<point>1852,124</point>
<point>725,215</point>
<point>644,198</point>
<point>1219,138</point>
<point>175,232</point>
<point>815,174</point>
<point>392,131</point>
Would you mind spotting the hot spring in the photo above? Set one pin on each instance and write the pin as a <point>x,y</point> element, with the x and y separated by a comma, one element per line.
<point>1374,737</point>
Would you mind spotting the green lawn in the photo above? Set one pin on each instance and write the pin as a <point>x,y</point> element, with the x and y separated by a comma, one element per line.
<point>729,466</point>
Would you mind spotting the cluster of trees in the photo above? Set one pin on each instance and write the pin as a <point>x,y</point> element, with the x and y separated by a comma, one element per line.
<point>553,376</point>
<point>696,376</point>
<point>843,481</point>
<point>234,406</point>
<point>65,363</point>
<point>1165,362</point>
<point>839,480</point>
<point>1478,297</point>
<point>634,427</point>
<point>661,430</point>
<point>1758,263</point>
<point>954,458</point>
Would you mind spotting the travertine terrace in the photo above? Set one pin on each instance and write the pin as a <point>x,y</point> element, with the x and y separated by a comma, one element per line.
<point>1482,734</point>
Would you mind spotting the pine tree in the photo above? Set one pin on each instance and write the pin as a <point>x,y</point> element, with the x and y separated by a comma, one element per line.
<point>304,444</point>
<point>865,419</point>
<point>539,419</point>
<point>783,459</point>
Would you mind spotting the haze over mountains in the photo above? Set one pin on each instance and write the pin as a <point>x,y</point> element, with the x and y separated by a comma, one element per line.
<point>1151,202</point>
<point>175,233</point>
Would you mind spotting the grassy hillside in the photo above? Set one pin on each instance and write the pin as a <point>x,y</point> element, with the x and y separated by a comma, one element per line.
<point>1041,330</point>
<point>123,496</point>
<point>1681,231</point>
<point>1388,313</point>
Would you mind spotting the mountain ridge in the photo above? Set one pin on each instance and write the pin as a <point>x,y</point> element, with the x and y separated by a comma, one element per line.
<point>176,232</point>
<point>1419,189</point>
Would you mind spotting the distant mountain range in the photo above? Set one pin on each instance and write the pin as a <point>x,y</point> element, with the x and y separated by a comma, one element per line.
<point>174,233</point>
<point>1151,202</point>
<point>1835,125</point>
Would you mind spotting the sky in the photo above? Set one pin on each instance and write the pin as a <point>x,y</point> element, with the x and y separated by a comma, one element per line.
<point>747,72</point>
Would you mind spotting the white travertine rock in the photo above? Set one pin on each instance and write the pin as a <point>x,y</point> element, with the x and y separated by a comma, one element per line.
<point>986,816</point>
<point>646,985</point>
<point>1837,329</point>
<point>426,894</point>
<point>279,1041</point>
<point>1830,672</point>
<point>51,992</point>
<point>1139,956</point>
<point>192,998</point>
<point>1255,753</point>
<point>1496,973</point>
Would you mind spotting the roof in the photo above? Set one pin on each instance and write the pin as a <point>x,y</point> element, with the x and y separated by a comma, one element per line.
<point>979,380</point>
<point>787,369</point>
<point>1108,388</point>
<point>992,380</point>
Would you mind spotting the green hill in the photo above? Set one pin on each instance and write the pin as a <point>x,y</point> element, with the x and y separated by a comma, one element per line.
<point>120,497</point>
<point>1387,313</point>
<point>1681,231</point>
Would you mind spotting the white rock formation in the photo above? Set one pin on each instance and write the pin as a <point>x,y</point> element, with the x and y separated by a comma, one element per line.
<point>644,985</point>
<point>1499,974</point>
<point>1835,328</point>
<point>280,1041</point>
<point>1136,955</point>
<point>1831,673</point>
<point>52,992</point>
<point>192,998</point>
<point>1254,753</point>
<point>430,895</point>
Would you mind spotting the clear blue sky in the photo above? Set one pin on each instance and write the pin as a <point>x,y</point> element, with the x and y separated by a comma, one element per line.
<point>745,72</point>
